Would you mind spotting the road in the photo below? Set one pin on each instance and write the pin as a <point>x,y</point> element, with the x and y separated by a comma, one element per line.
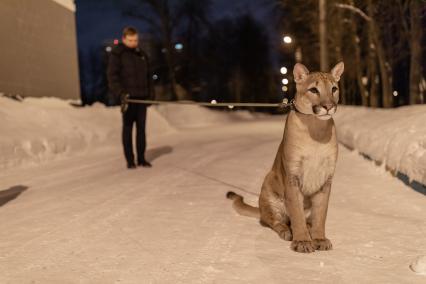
<point>87,219</point>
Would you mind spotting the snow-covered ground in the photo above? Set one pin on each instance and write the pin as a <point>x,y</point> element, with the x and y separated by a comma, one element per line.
<point>82,217</point>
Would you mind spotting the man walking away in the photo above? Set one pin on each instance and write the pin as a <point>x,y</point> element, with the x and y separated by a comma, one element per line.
<point>128,77</point>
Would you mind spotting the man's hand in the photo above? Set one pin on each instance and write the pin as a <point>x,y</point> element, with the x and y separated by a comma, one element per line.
<point>124,104</point>
<point>124,97</point>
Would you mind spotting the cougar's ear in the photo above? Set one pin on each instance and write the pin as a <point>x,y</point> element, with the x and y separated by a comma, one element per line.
<point>300,72</point>
<point>337,70</point>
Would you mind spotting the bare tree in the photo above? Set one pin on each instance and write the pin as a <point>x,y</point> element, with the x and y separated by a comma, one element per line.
<point>416,32</point>
<point>384,66</point>
<point>323,35</point>
<point>300,20</point>
<point>371,60</point>
<point>194,24</point>
<point>163,20</point>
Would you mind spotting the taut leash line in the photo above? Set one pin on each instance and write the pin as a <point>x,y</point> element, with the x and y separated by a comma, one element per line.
<point>285,103</point>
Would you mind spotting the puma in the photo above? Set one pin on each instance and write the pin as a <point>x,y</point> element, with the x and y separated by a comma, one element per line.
<point>295,193</point>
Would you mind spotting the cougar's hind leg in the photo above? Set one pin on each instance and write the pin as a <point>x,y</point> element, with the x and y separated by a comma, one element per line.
<point>274,217</point>
<point>283,231</point>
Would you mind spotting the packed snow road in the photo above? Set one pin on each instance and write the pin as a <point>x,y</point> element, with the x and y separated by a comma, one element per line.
<point>87,219</point>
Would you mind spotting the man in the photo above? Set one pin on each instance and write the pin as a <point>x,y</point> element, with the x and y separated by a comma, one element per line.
<point>128,77</point>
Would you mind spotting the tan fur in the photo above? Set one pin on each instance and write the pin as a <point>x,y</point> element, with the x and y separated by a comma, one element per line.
<point>241,207</point>
<point>295,193</point>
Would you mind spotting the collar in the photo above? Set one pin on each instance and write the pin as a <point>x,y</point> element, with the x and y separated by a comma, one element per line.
<point>293,107</point>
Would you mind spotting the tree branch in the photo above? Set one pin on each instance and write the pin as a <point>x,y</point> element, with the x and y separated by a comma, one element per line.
<point>145,18</point>
<point>354,10</point>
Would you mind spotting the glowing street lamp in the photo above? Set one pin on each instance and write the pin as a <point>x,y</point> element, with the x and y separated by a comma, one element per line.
<point>287,39</point>
<point>178,46</point>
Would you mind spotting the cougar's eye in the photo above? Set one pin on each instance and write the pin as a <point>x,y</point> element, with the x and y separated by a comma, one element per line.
<point>314,90</point>
<point>334,89</point>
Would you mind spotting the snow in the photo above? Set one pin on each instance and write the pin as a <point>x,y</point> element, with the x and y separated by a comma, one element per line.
<point>41,129</point>
<point>190,116</point>
<point>395,138</point>
<point>85,218</point>
<point>419,265</point>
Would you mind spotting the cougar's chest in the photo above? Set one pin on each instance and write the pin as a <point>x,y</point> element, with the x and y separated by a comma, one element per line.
<point>317,166</point>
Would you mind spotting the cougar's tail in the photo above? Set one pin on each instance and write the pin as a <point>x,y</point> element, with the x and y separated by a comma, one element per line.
<point>241,207</point>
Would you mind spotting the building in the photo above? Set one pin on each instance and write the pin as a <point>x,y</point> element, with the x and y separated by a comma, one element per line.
<point>38,51</point>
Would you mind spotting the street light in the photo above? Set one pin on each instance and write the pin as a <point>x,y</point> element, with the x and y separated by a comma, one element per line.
<point>287,39</point>
<point>178,46</point>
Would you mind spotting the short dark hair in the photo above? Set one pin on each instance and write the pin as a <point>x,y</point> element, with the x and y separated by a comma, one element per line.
<point>129,31</point>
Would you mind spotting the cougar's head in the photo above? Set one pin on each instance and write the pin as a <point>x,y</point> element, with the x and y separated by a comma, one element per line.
<point>317,92</point>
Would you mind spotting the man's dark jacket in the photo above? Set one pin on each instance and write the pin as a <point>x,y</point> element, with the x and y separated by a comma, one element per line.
<point>128,72</point>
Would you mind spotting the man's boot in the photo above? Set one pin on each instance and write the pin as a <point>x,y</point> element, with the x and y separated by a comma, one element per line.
<point>145,164</point>
<point>131,165</point>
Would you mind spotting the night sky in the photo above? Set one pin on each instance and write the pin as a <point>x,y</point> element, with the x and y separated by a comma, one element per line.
<point>101,20</point>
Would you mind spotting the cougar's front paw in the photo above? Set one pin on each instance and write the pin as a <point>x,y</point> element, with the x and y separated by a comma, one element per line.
<point>322,244</point>
<point>303,246</point>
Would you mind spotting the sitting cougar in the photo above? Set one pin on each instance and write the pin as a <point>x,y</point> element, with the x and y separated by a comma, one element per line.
<point>295,193</point>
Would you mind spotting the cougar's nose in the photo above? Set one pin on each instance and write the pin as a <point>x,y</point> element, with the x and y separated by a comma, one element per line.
<point>328,106</point>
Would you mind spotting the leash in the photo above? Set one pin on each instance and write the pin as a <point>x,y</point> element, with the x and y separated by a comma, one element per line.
<point>126,100</point>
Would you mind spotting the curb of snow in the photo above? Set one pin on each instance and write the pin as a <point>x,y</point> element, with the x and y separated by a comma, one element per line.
<point>394,138</point>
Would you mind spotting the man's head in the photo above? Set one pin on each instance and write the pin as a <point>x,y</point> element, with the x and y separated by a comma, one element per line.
<point>130,37</point>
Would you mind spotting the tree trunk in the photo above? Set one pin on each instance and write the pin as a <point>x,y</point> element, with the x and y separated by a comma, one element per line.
<point>384,67</point>
<point>338,38</point>
<point>323,35</point>
<point>416,51</point>
<point>384,74</point>
<point>168,44</point>
<point>236,85</point>
<point>372,63</point>
<point>358,64</point>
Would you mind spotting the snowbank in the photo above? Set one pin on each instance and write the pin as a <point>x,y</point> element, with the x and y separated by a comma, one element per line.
<point>393,137</point>
<point>192,116</point>
<point>40,129</point>
<point>36,130</point>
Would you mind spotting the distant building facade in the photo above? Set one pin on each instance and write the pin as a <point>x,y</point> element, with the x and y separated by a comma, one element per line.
<point>38,51</point>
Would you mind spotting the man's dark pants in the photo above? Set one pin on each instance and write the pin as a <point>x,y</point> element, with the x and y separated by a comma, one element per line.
<point>136,113</point>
